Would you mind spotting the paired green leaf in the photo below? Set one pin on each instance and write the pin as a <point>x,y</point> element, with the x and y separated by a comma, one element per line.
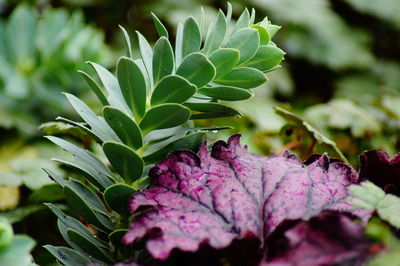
<point>243,77</point>
<point>172,89</point>
<point>164,116</point>
<point>246,41</point>
<point>197,69</point>
<point>117,197</point>
<point>267,58</point>
<point>163,59</point>
<point>224,60</point>
<point>125,127</point>
<point>227,93</point>
<point>133,85</point>
<point>126,162</point>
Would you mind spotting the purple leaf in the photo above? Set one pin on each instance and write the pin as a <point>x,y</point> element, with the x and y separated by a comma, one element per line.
<point>383,171</point>
<point>230,194</point>
<point>327,239</point>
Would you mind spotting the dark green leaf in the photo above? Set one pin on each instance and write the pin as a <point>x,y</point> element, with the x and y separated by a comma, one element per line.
<point>191,38</point>
<point>70,222</point>
<point>243,77</point>
<point>211,110</point>
<point>124,160</point>
<point>62,128</point>
<point>88,246</point>
<point>84,202</point>
<point>163,59</point>
<point>266,58</point>
<point>246,41</point>
<point>117,197</point>
<point>133,86</point>
<point>216,34</point>
<point>164,116</point>
<point>189,142</point>
<point>97,173</point>
<point>68,256</point>
<point>172,89</point>
<point>97,126</point>
<point>197,69</point>
<point>95,87</point>
<point>47,193</point>
<point>116,238</point>
<point>55,177</point>
<point>125,127</point>
<point>161,30</point>
<point>224,60</point>
<point>227,93</point>
<point>127,41</point>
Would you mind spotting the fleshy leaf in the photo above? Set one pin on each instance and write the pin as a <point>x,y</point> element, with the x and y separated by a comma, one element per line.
<point>231,194</point>
<point>380,169</point>
<point>330,238</point>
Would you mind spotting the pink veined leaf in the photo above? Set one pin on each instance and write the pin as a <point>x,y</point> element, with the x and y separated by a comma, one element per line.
<point>383,171</point>
<point>231,194</point>
<point>329,238</point>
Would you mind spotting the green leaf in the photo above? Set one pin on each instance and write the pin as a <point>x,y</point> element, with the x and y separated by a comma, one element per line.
<point>6,233</point>
<point>84,202</point>
<point>147,55</point>
<point>70,222</point>
<point>47,193</point>
<point>227,93</point>
<point>127,41</point>
<point>371,197</point>
<point>243,77</point>
<point>216,34</point>
<point>116,238</point>
<point>242,22</point>
<point>267,58</point>
<point>163,59</point>
<point>164,116</point>
<point>125,127</point>
<point>224,60</point>
<point>197,69</point>
<point>246,41</point>
<point>17,253</point>
<point>110,83</point>
<point>78,125</point>
<point>98,126</point>
<point>189,142</point>
<point>62,128</point>
<point>312,131</point>
<point>264,34</point>
<point>252,16</point>
<point>55,177</point>
<point>172,89</point>
<point>191,37</point>
<point>68,256</point>
<point>133,86</point>
<point>96,172</point>
<point>178,44</point>
<point>160,28</point>
<point>88,246</point>
<point>117,197</point>
<point>124,160</point>
<point>95,87</point>
<point>211,110</point>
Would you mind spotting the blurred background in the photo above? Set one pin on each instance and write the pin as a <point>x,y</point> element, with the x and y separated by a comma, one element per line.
<point>341,74</point>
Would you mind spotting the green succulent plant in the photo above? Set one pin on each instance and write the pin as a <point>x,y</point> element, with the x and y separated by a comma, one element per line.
<point>148,111</point>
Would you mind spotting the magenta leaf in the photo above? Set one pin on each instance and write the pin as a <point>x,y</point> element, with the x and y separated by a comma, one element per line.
<point>327,239</point>
<point>383,171</point>
<point>231,194</point>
